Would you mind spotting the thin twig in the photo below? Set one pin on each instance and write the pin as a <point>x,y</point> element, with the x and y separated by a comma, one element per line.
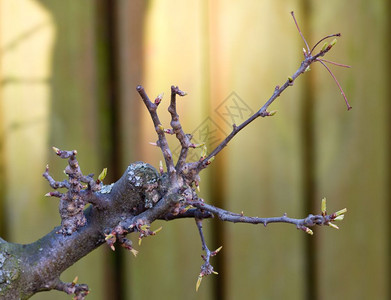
<point>302,36</point>
<point>336,81</point>
<point>228,216</point>
<point>321,40</point>
<point>177,128</point>
<point>262,112</point>
<point>334,63</point>
<point>163,144</point>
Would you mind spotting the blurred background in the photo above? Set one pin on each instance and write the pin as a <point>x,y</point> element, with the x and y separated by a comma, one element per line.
<point>68,73</point>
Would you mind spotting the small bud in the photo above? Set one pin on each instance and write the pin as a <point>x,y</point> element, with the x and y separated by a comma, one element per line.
<point>161,170</point>
<point>333,225</point>
<point>74,281</point>
<point>187,208</point>
<point>325,45</point>
<point>153,144</point>
<point>169,131</point>
<point>198,282</point>
<point>341,212</point>
<point>102,175</point>
<point>305,52</point>
<point>272,113</point>
<point>333,42</point>
<point>290,79</point>
<point>309,231</point>
<point>323,207</point>
<point>144,227</point>
<point>204,152</point>
<point>217,251</point>
<point>339,218</point>
<point>134,252</point>
<point>159,98</point>
<point>56,150</point>
<point>157,230</point>
<point>214,272</point>
<point>197,145</point>
<point>307,69</point>
<point>109,236</point>
<point>210,160</point>
<point>160,126</point>
<point>139,241</point>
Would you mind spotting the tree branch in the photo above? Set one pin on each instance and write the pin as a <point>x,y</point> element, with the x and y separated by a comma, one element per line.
<point>141,196</point>
<point>303,224</point>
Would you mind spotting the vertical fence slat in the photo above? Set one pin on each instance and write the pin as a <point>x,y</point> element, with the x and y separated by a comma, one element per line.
<point>351,167</point>
<point>263,161</point>
<point>170,261</point>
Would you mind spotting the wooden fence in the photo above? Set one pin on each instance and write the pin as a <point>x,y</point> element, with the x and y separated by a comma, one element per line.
<point>68,72</point>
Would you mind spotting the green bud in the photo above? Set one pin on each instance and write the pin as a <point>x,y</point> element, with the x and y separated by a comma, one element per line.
<point>341,212</point>
<point>198,282</point>
<point>333,42</point>
<point>203,152</point>
<point>309,231</point>
<point>325,45</point>
<point>339,218</point>
<point>134,252</point>
<point>102,175</point>
<point>323,206</point>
